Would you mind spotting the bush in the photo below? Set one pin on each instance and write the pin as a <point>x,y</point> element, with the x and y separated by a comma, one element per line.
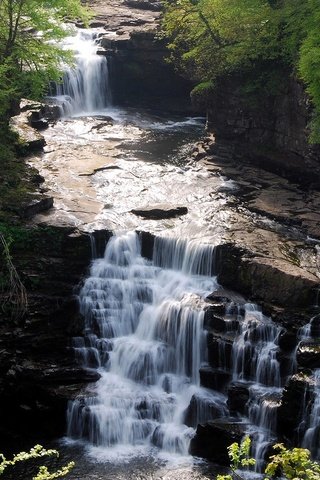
<point>36,452</point>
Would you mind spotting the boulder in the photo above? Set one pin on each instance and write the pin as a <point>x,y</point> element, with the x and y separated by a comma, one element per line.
<point>203,408</point>
<point>212,440</point>
<point>29,139</point>
<point>160,212</point>
<point>308,354</point>
<point>238,396</point>
<point>214,378</point>
<point>296,396</point>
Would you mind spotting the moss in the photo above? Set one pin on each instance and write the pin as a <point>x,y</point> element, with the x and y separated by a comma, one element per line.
<point>202,93</point>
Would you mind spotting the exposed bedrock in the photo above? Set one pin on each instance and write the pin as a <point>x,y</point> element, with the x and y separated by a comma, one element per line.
<point>140,74</point>
<point>39,372</point>
<point>269,130</point>
<point>38,369</point>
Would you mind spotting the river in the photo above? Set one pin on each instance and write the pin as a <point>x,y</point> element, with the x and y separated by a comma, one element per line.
<point>145,330</point>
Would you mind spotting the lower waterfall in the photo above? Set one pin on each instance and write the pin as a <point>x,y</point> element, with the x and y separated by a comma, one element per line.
<point>144,331</point>
<point>148,333</point>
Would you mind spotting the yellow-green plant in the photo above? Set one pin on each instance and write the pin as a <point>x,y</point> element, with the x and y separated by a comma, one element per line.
<point>36,452</point>
<point>239,455</point>
<point>293,464</point>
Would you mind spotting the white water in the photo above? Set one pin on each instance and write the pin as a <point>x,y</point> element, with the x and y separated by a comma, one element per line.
<point>311,439</point>
<point>144,329</point>
<point>85,87</point>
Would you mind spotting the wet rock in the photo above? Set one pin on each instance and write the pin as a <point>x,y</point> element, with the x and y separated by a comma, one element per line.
<point>296,396</point>
<point>36,206</point>
<point>315,326</point>
<point>213,321</point>
<point>160,212</point>
<point>214,378</point>
<point>238,396</point>
<point>219,350</point>
<point>29,139</point>
<point>201,409</point>
<point>147,244</point>
<point>308,354</point>
<point>213,438</point>
<point>36,121</point>
<point>287,341</point>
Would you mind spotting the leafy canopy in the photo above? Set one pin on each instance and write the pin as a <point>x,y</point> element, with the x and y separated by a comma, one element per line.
<point>212,38</point>
<point>30,55</point>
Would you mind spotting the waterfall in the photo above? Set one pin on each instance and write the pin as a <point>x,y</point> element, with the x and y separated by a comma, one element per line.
<point>85,86</point>
<point>312,435</point>
<point>144,331</point>
<point>310,421</point>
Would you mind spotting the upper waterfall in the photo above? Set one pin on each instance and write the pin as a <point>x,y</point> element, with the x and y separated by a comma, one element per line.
<point>85,87</point>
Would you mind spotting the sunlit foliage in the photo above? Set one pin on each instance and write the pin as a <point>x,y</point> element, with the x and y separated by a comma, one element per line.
<point>212,38</point>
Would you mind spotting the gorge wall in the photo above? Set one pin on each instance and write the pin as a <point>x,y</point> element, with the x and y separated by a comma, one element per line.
<point>270,129</point>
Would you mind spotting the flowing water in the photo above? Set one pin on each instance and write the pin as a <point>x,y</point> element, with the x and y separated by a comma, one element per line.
<point>144,328</point>
<point>144,331</point>
<point>85,87</point>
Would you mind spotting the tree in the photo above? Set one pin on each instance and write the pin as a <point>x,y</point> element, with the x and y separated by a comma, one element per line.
<point>213,38</point>
<point>30,55</point>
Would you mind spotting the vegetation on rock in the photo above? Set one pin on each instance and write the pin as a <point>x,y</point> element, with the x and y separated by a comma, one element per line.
<point>213,38</point>
<point>35,453</point>
<point>290,464</point>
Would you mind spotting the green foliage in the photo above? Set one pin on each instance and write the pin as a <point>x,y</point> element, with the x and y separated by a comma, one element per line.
<point>36,452</point>
<point>292,464</point>
<point>30,55</point>
<point>202,92</point>
<point>213,38</point>
<point>239,455</point>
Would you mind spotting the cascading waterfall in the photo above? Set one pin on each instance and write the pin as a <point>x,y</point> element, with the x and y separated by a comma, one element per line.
<point>144,331</point>
<point>254,359</point>
<point>312,434</point>
<point>310,421</point>
<point>85,86</point>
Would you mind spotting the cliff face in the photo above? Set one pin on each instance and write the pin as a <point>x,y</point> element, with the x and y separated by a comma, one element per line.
<point>38,371</point>
<point>271,130</point>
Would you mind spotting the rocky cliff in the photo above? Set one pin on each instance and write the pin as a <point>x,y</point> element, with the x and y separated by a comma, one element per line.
<point>269,128</point>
